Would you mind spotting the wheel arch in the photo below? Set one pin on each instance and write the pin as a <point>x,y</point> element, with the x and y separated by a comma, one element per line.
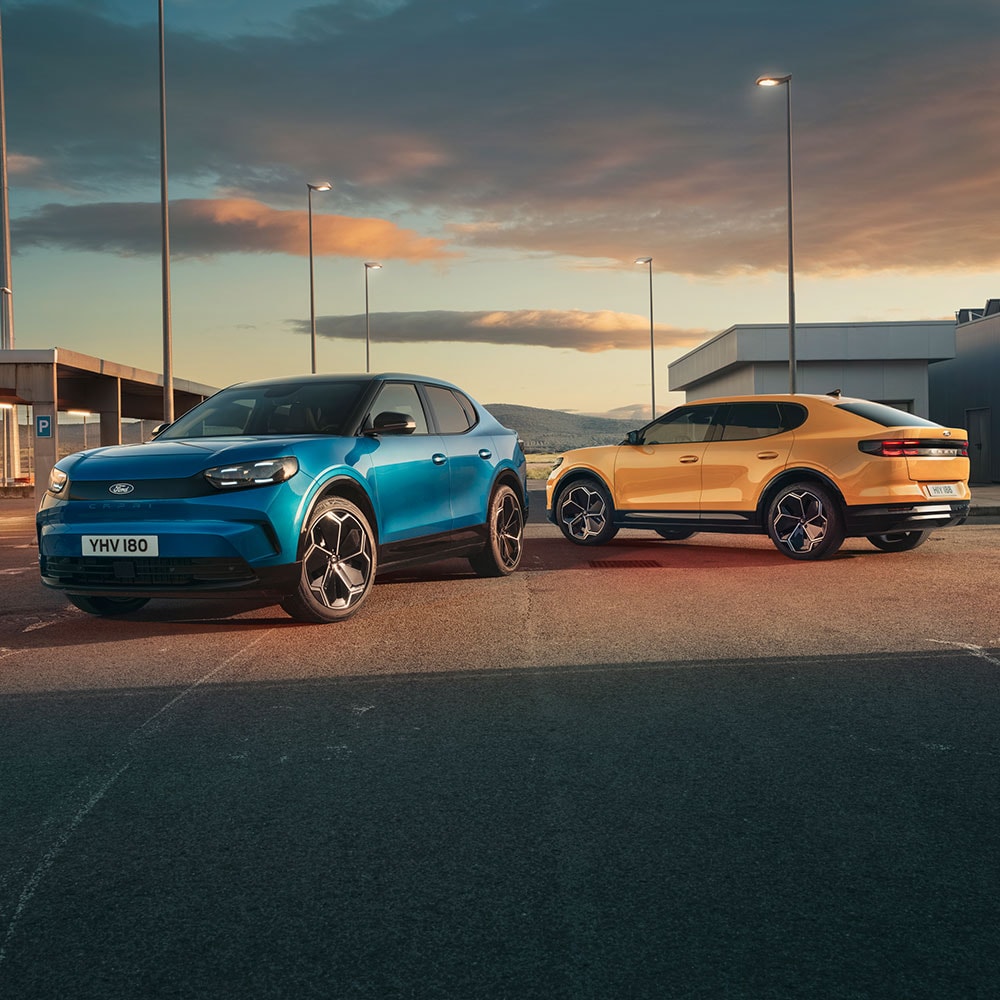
<point>574,476</point>
<point>347,488</point>
<point>797,475</point>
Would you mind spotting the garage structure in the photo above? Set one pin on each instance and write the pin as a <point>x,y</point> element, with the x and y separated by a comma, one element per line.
<point>56,380</point>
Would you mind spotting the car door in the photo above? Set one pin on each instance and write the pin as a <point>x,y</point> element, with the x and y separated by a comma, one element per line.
<point>412,483</point>
<point>471,460</point>
<point>750,448</point>
<point>662,470</point>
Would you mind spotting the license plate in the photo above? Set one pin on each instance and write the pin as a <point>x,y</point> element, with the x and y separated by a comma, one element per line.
<point>120,545</point>
<point>942,490</point>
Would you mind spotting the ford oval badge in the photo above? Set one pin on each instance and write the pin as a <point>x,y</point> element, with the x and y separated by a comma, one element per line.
<point>121,489</point>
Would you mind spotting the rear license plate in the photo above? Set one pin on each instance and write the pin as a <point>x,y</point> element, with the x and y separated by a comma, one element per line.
<point>120,545</point>
<point>942,490</point>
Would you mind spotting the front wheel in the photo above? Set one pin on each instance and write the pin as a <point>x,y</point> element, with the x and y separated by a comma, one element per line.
<point>107,607</point>
<point>338,564</point>
<point>505,524</point>
<point>585,513</point>
<point>805,521</point>
<point>899,541</point>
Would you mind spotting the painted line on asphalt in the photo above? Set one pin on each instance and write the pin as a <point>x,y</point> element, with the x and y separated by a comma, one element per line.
<point>120,762</point>
<point>978,651</point>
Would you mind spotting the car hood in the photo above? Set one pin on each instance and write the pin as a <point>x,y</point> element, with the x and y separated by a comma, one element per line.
<point>163,459</point>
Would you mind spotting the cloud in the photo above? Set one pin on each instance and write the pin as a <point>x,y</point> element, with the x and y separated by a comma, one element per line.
<point>547,126</point>
<point>589,332</point>
<point>202,228</point>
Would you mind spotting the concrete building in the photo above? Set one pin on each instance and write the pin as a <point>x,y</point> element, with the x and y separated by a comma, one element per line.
<point>965,390</point>
<point>55,381</point>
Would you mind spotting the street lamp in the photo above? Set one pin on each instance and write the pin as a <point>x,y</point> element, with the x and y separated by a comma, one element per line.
<point>312,290</point>
<point>652,350</point>
<point>370,265</point>
<point>777,81</point>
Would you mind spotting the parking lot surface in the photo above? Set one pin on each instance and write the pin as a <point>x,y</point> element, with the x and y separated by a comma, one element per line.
<point>651,770</point>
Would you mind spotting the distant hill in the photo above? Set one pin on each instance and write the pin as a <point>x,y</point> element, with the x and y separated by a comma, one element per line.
<point>545,431</point>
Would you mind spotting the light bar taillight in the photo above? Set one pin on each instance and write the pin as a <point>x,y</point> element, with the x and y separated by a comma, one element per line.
<point>915,448</point>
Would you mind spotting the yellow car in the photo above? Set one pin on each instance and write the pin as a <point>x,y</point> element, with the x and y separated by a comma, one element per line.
<point>807,470</point>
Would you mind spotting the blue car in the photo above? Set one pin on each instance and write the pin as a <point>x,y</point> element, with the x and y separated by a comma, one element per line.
<point>300,487</point>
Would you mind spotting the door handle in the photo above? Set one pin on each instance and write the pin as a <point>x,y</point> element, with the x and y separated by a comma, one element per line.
<point>767,454</point>
<point>688,459</point>
<point>438,459</point>
<point>485,453</point>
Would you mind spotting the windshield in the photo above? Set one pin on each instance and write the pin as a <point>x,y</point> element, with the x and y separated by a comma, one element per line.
<point>286,408</point>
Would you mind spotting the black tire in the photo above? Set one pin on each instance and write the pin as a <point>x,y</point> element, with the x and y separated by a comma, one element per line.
<point>339,560</point>
<point>585,512</point>
<point>899,541</point>
<point>674,534</point>
<point>505,524</point>
<point>108,607</point>
<point>805,521</point>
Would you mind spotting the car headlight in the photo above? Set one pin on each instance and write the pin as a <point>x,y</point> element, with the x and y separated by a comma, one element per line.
<point>58,481</point>
<point>555,468</point>
<point>234,477</point>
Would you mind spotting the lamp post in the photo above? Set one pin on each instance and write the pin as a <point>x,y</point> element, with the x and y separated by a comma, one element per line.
<point>312,289</point>
<point>786,81</point>
<point>168,342</point>
<point>652,350</point>
<point>370,265</point>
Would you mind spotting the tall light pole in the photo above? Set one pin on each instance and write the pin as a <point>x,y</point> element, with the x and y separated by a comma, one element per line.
<point>370,265</point>
<point>168,346</point>
<point>312,287</point>
<point>786,81</point>
<point>652,349</point>
<point>8,426</point>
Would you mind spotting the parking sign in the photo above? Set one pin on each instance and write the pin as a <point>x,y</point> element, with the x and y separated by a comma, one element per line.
<point>43,425</point>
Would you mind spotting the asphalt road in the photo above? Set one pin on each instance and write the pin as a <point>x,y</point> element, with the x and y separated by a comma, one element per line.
<point>653,770</point>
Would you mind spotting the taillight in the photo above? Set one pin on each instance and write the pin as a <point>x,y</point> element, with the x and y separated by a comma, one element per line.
<point>915,448</point>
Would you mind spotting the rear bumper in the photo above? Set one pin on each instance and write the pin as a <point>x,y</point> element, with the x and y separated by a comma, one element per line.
<point>883,519</point>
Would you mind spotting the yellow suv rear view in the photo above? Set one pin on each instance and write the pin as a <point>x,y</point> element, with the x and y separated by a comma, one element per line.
<point>809,471</point>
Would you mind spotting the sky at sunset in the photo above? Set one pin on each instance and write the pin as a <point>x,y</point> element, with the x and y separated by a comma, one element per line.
<point>506,161</point>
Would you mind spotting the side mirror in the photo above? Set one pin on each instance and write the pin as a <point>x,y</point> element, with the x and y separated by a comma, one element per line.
<point>633,437</point>
<point>389,422</point>
<point>158,429</point>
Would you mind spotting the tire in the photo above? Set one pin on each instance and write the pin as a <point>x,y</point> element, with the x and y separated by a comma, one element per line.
<point>805,521</point>
<point>505,524</point>
<point>899,541</point>
<point>108,607</point>
<point>585,513</point>
<point>674,534</point>
<point>339,560</point>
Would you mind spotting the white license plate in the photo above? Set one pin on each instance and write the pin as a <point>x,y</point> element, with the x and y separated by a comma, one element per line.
<point>942,490</point>
<point>122,546</point>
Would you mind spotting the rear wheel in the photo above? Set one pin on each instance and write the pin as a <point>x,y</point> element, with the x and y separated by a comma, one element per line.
<point>899,541</point>
<point>107,607</point>
<point>338,564</point>
<point>585,513</point>
<point>805,521</point>
<point>505,524</point>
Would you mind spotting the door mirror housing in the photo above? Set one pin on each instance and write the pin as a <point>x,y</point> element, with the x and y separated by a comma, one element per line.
<point>633,437</point>
<point>389,422</point>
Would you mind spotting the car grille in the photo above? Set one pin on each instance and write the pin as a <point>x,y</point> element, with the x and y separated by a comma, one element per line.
<point>90,571</point>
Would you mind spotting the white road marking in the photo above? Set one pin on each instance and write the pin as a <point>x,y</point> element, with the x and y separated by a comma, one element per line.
<point>978,651</point>
<point>96,786</point>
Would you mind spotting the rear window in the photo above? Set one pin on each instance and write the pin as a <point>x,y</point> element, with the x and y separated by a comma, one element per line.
<point>887,416</point>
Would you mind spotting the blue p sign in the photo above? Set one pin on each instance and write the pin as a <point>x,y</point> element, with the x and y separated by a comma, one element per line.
<point>43,426</point>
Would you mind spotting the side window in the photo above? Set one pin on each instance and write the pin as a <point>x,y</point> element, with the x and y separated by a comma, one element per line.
<point>449,413</point>
<point>684,426</point>
<point>401,397</point>
<point>744,421</point>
